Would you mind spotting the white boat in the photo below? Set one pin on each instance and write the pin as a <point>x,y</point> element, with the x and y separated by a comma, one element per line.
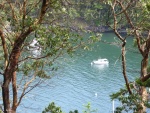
<point>103,61</point>
<point>34,48</point>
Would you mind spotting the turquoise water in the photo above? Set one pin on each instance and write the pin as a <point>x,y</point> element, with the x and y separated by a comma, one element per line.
<point>77,82</point>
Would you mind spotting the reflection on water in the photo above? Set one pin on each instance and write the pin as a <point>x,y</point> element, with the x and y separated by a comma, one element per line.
<point>100,67</point>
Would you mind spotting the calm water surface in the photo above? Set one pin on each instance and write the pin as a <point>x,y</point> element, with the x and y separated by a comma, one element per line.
<point>77,82</point>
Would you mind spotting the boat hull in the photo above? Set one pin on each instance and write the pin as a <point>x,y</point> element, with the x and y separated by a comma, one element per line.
<point>100,62</point>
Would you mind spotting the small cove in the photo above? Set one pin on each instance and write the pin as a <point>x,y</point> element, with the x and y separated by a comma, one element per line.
<point>77,82</point>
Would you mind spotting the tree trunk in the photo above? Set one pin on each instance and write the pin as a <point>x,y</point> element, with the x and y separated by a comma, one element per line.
<point>10,76</point>
<point>144,98</point>
<point>143,90</point>
<point>14,88</point>
<point>5,94</point>
<point>12,63</point>
<point>124,67</point>
<point>6,82</point>
<point>10,73</point>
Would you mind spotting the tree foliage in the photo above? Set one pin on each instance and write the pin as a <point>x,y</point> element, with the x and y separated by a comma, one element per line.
<point>36,33</point>
<point>132,18</point>
<point>33,35</point>
<point>129,102</point>
<point>52,108</point>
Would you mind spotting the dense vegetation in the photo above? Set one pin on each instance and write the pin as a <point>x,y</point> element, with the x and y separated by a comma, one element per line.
<point>35,33</point>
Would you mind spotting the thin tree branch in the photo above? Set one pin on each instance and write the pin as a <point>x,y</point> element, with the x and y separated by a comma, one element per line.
<point>43,10</point>
<point>12,10</point>
<point>34,5</point>
<point>4,48</point>
<point>123,45</point>
<point>115,23</point>
<point>139,42</point>
<point>24,14</point>
<point>146,77</point>
<point>129,4</point>
<point>25,87</point>
<point>126,14</point>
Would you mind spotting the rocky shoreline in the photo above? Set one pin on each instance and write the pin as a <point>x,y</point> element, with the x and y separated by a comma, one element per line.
<point>97,29</point>
<point>103,29</point>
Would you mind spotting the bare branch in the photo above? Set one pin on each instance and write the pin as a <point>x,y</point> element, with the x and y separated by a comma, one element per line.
<point>25,87</point>
<point>126,14</point>
<point>129,4</point>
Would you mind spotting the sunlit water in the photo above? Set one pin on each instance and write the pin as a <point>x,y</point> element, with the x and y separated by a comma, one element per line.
<point>77,82</point>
